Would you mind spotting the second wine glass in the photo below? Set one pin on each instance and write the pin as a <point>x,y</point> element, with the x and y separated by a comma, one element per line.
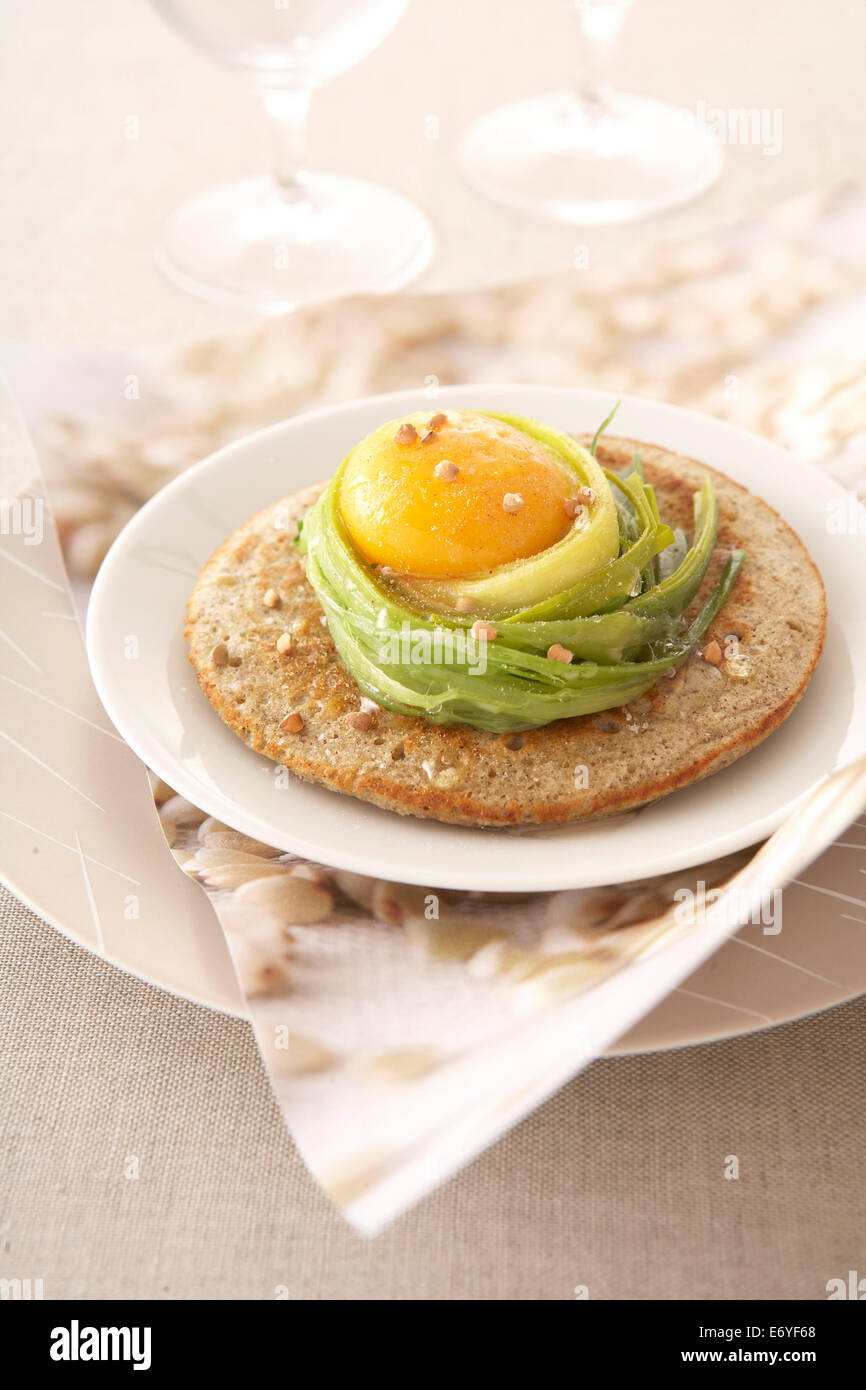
<point>591,155</point>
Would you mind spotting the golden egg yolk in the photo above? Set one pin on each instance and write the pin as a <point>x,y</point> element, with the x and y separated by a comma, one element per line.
<point>406,508</point>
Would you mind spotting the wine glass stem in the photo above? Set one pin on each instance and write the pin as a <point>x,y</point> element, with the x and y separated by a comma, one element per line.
<point>287,108</point>
<point>600,22</point>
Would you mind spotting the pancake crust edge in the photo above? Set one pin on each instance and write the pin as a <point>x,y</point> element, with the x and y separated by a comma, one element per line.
<point>688,727</point>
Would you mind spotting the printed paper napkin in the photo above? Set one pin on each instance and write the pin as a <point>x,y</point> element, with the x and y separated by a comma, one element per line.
<point>405,1028</point>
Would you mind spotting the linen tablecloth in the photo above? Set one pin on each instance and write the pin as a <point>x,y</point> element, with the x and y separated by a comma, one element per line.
<point>143,1156</point>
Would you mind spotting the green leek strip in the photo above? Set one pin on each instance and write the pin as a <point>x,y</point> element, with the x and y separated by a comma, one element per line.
<point>651,617</point>
<point>674,594</point>
<point>596,637</point>
<point>650,574</point>
<point>605,637</point>
<point>629,530</point>
<point>617,580</point>
<point>602,427</point>
<point>518,690</point>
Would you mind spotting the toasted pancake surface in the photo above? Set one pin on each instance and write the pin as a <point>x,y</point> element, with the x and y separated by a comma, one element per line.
<point>688,726</point>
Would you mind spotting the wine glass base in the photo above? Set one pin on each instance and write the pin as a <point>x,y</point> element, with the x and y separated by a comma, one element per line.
<point>248,245</point>
<point>590,163</point>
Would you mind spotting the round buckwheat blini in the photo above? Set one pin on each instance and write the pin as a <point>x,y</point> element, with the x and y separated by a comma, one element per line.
<point>264,658</point>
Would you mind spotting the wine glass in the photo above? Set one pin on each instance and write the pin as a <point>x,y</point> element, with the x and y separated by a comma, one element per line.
<point>273,242</point>
<point>591,155</point>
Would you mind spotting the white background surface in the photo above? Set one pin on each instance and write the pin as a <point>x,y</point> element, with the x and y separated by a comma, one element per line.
<point>84,204</point>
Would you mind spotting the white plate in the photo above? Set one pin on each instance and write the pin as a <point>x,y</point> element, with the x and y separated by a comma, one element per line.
<point>138,660</point>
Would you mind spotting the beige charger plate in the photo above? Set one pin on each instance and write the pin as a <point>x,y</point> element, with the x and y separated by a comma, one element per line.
<point>79,838</point>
